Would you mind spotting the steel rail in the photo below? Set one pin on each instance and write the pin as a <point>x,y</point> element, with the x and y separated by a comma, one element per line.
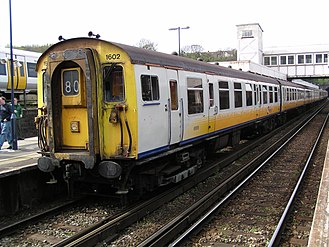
<point>165,234</point>
<point>280,227</point>
<point>107,229</point>
<point>12,228</point>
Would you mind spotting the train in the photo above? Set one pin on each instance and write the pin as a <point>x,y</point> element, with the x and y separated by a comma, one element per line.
<point>117,118</point>
<point>25,75</point>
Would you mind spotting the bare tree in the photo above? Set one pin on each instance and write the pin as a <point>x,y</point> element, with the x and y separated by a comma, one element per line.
<point>196,48</point>
<point>147,44</point>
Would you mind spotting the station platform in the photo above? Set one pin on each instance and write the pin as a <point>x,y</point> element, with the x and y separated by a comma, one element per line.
<point>20,160</point>
<point>319,235</point>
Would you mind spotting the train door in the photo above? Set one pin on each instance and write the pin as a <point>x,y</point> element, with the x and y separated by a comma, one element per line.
<point>153,114</point>
<point>257,98</point>
<point>113,124</point>
<point>212,105</point>
<point>74,109</point>
<point>174,108</point>
<point>19,75</point>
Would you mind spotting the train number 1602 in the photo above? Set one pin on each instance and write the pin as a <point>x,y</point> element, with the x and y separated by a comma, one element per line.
<point>112,56</point>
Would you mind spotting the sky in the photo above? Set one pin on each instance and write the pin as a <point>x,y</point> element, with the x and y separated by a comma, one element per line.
<point>212,22</point>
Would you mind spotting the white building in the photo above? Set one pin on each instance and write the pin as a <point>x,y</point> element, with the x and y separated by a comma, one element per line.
<point>250,43</point>
<point>294,62</point>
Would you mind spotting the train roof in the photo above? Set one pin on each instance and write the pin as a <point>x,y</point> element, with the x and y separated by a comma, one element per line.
<point>144,56</point>
<point>147,57</point>
<point>20,52</point>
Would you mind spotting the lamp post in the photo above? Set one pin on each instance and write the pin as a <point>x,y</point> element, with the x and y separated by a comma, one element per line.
<point>13,115</point>
<point>178,28</point>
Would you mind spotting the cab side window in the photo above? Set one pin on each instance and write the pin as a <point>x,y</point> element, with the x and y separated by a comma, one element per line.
<point>113,80</point>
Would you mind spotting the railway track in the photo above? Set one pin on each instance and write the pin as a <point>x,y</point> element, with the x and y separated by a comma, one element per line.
<point>258,213</point>
<point>107,229</point>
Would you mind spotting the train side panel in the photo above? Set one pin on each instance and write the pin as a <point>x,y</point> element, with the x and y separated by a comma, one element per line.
<point>117,109</point>
<point>25,76</point>
<point>152,101</point>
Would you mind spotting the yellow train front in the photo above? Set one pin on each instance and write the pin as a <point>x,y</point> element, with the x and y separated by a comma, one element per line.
<point>116,117</point>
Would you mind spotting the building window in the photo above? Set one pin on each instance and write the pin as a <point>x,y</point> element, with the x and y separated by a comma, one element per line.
<point>266,60</point>
<point>224,96</point>
<point>194,95</point>
<point>274,60</point>
<point>150,88</point>
<point>318,58</point>
<point>291,59</point>
<point>237,95</point>
<point>247,34</point>
<point>300,59</point>
<point>308,58</point>
<point>283,60</point>
<point>325,58</point>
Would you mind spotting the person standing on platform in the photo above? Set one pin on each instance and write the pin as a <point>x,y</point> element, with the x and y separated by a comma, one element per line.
<point>19,114</point>
<point>5,116</point>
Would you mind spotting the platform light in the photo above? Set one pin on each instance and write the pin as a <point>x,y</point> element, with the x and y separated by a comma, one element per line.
<point>13,116</point>
<point>178,29</point>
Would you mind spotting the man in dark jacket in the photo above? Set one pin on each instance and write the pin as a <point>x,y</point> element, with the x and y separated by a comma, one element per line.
<point>5,116</point>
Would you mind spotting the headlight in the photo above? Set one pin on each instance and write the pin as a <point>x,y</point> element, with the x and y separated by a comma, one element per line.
<point>109,169</point>
<point>75,126</point>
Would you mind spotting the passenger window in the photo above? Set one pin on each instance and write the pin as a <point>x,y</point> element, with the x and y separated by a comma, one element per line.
<point>31,70</point>
<point>264,94</point>
<point>150,88</point>
<point>270,91</point>
<point>255,94</point>
<point>194,95</point>
<point>173,94</point>
<point>224,96</point>
<point>248,94</point>
<point>113,83</point>
<point>3,69</point>
<point>21,68</point>
<point>275,94</point>
<point>237,95</point>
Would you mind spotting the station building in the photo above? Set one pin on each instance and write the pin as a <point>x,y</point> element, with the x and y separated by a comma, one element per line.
<point>297,63</point>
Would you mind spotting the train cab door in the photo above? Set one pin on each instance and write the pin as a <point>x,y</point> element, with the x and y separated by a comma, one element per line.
<point>74,109</point>
<point>174,108</point>
<point>212,105</point>
<point>19,75</point>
